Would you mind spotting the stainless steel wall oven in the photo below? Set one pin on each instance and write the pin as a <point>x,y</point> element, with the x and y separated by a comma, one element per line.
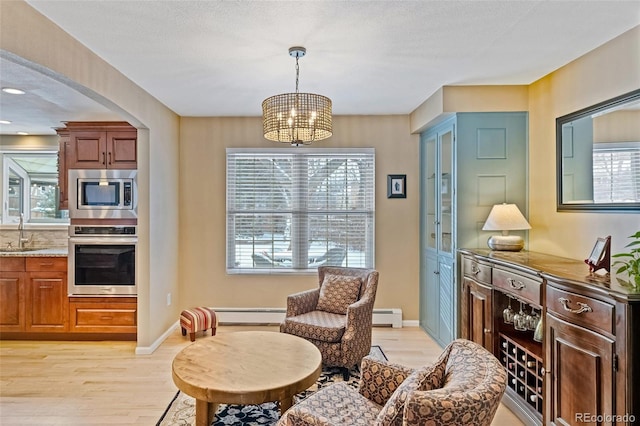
<point>102,260</point>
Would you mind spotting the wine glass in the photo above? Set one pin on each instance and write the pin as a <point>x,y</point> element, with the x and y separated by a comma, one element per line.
<point>507,314</point>
<point>533,319</point>
<point>520,319</point>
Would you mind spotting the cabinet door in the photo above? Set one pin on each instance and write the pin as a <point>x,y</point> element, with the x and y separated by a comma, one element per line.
<point>87,149</point>
<point>429,308</point>
<point>122,150</point>
<point>447,302</point>
<point>12,317</point>
<point>48,301</point>
<point>477,314</point>
<point>581,364</point>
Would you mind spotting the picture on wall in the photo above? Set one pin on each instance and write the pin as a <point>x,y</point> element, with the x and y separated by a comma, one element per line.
<point>396,186</point>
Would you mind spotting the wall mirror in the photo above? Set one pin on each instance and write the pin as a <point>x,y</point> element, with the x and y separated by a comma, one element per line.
<point>598,157</point>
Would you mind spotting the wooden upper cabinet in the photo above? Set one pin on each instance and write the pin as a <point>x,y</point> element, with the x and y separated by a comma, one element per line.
<point>101,145</point>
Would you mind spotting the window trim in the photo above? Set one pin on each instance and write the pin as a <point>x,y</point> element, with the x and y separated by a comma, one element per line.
<point>230,269</point>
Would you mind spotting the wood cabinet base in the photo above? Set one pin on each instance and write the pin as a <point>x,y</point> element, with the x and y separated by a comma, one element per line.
<point>69,336</point>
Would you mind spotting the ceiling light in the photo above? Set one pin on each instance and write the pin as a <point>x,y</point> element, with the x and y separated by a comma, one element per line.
<point>13,91</point>
<point>5,122</point>
<point>22,133</point>
<point>296,118</point>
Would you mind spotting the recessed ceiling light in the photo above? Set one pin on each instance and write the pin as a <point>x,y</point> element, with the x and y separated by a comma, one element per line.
<point>22,133</point>
<point>5,122</point>
<point>13,91</point>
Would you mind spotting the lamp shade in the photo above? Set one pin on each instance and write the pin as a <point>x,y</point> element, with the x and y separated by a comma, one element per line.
<point>505,218</point>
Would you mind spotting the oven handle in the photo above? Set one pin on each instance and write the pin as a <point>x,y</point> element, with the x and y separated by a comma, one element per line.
<point>103,240</point>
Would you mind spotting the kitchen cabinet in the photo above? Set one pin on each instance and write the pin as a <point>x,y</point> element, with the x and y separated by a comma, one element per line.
<point>34,304</point>
<point>583,371</point>
<point>100,145</point>
<point>12,294</point>
<point>33,297</point>
<point>468,163</point>
<point>104,315</point>
<point>47,300</point>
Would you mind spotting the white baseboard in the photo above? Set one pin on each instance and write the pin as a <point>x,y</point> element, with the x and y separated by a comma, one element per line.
<point>392,317</point>
<point>411,323</point>
<point>148,350</point>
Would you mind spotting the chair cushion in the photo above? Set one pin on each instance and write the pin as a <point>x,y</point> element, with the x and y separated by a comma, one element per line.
<point>337,292</point>
<point>424,378</point>
<point>337,404</point>
<point>316,325</point>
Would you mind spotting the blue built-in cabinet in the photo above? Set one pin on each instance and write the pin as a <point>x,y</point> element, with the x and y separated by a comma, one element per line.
<point>468,163</point>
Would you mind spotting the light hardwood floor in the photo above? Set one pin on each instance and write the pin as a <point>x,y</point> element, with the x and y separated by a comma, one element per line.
<point>105,383</point>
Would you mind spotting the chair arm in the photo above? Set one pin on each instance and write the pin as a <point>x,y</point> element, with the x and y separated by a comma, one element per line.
<point>359,317</point>
<point>450,406</point>
<point>379,379</point>
<point>303,302</point>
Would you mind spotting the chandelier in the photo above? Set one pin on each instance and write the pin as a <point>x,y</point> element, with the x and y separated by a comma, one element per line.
<point>296,118</point>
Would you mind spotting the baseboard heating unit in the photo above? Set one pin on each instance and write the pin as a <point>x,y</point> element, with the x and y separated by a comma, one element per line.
<point>392,317</point>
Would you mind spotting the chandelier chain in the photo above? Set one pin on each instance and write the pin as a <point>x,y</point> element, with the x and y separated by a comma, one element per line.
<point>297,74</point>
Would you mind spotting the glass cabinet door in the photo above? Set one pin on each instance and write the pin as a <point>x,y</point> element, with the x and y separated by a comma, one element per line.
<point>430,195</point>
<point>445,161</point>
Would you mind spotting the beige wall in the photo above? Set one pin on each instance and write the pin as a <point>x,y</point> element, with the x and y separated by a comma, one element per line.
<point>202,216</point>
<point>28,38</point>
<point>606,72</point>
<point>181,163</point>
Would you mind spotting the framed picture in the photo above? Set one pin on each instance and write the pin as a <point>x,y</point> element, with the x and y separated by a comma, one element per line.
<point>600,256</point>
<point>598,251</point>
<point>396,186</point>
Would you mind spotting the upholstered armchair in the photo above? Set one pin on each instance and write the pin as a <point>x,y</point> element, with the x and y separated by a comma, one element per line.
<point>463,387</point>
<point>336,316</point>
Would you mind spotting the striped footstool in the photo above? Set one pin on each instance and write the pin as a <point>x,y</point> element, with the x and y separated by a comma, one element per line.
<point>194,320</point>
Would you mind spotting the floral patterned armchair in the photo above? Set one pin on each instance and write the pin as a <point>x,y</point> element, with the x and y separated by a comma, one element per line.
<point>463,387</point>
<point>336,316</point>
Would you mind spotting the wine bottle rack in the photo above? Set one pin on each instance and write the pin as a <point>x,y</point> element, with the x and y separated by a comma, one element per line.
<point>524,370</point>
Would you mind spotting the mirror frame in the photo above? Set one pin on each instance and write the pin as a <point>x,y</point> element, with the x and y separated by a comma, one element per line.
<point>560,121</point>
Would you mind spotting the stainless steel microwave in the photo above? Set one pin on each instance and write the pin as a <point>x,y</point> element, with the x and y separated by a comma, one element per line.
<point>102,194</point>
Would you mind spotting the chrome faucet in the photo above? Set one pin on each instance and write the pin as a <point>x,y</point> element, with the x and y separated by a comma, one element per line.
<point>21,239</point>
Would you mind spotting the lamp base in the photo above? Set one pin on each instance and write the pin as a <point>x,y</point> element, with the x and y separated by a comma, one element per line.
<point>506,242</point>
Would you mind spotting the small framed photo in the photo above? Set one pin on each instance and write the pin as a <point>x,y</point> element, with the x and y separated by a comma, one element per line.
<point>598,251</point>
<point>396,186</point>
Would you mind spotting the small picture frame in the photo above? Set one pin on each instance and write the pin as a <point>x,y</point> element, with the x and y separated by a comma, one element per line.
<point>396,186</point>
<point>600,255</point>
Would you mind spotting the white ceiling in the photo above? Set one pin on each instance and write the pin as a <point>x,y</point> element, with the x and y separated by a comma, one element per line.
<point>223,58</point>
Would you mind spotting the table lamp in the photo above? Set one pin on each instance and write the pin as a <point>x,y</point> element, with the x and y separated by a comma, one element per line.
<point>505,218</point>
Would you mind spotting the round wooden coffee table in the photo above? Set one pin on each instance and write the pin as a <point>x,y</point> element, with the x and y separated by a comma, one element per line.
<point>246,367</point>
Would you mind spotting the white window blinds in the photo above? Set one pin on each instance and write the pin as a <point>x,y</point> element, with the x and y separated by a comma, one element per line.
<point>296,209</point>
<point>616,172</point>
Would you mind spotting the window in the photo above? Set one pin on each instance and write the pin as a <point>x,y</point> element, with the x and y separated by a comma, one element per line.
<point>296,209</point>
<point>619,163</point>
<point>30,187</point>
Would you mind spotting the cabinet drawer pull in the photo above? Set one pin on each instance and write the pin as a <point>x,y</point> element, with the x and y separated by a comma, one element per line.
<point>109,157</point>
<point>583,306</point>
<point>474,269</point>
<point>516,285</point>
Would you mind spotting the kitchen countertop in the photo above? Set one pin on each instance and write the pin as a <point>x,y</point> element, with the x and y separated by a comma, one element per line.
<point>47,252</point>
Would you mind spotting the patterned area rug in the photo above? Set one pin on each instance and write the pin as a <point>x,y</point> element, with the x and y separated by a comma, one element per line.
<point>181,410</point>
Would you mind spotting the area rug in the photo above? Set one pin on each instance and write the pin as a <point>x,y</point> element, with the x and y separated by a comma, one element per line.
<point>181,410</point>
